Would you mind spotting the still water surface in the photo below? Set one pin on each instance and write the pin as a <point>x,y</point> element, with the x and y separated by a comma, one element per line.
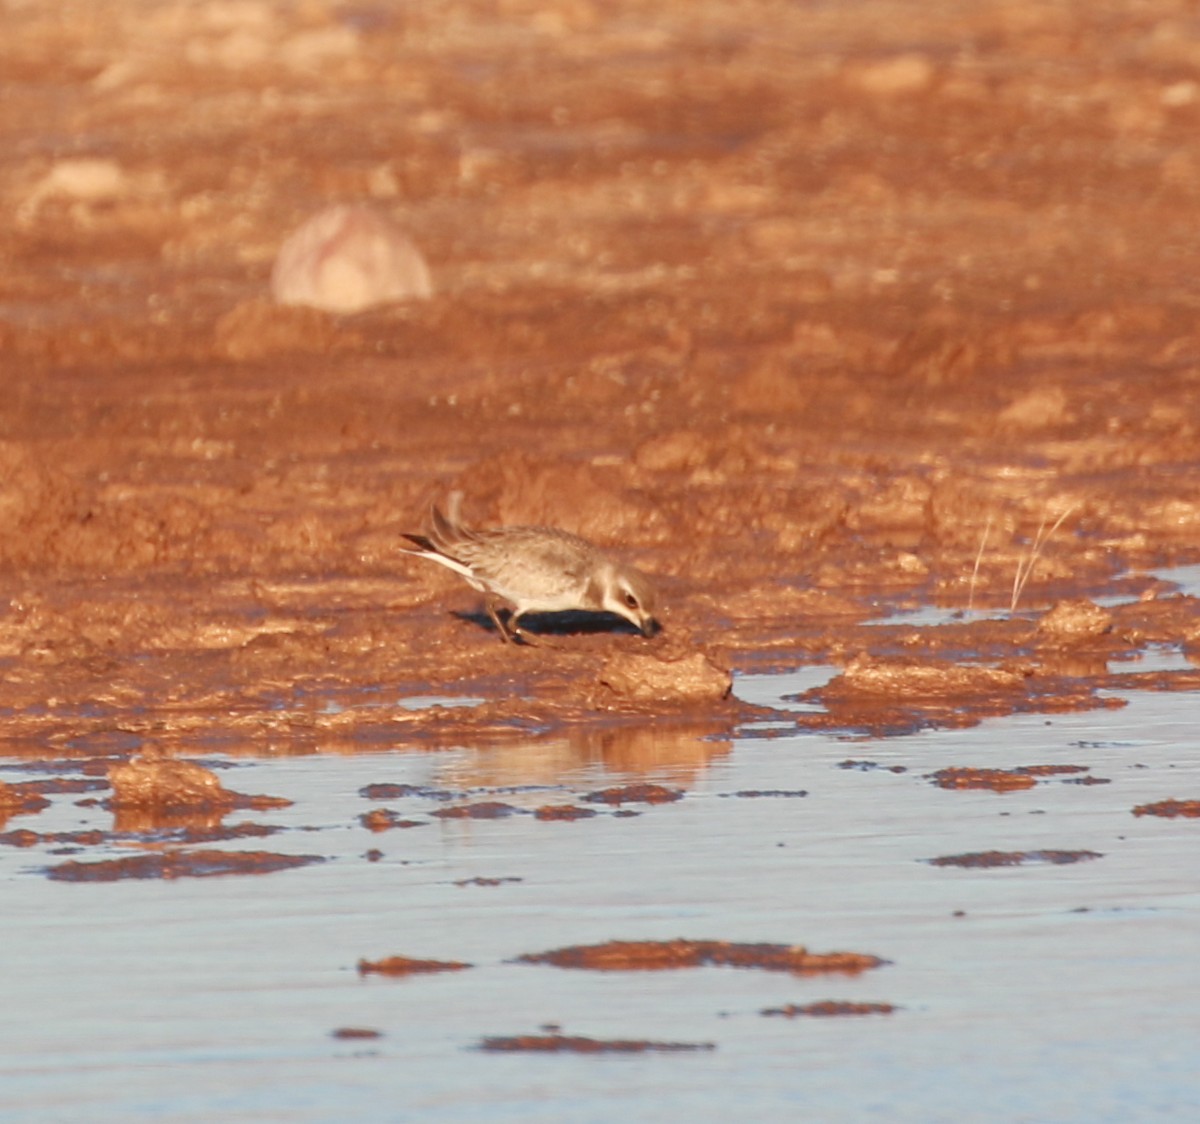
<point>1039,992</point>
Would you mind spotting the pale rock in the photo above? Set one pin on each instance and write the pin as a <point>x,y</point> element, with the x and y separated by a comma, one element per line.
<point>347,258</point>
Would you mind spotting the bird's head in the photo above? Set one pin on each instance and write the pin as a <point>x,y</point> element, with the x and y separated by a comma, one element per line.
<point>630,594</point>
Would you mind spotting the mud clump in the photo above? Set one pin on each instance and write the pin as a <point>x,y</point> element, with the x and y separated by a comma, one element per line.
<point>985,859</point>
<point>564,813</point>
<point>1050,770</point>
<point>154,780</point>
<point>654,956</point>
<point>828,1008</point>
<point>18,800</point>
<point>889,694</point>
<point>355,1033</point>
<point>480,880</point>
<point>1073,622</point>
<point>408,966</point>
<point>386,790</point>
<point>482,810</point>
<point>638,678</point>
<point>576,1044</point>
<point>909,679</point>
<point>257,329</point>
<point>179,864</point>
<point>1170,809</point>
<point>635,794</point>
<point>384,819</point>
<point>868,766</point>
<point>29,838</point>
<point>998,780</point>
<point>157,783</point>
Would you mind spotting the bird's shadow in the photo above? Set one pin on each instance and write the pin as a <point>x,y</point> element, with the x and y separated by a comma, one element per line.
<point>568,623</point>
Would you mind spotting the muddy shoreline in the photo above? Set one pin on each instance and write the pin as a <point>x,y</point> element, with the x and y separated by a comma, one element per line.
<point>807,341</point>
<point>868,329</point>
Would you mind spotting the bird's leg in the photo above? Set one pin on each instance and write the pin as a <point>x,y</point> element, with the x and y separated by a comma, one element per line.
<point>493,608</point>
<point>516,633</point>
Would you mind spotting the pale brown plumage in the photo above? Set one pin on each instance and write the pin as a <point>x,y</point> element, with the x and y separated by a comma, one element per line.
<point>536,570</point>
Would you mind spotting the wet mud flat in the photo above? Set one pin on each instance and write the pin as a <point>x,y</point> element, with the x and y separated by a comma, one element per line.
<point>871,336</point>
<point>758,923</point>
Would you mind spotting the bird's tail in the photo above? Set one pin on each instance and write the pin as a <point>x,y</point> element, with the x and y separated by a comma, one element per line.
<point>446,532</point>
<point>424,543</point>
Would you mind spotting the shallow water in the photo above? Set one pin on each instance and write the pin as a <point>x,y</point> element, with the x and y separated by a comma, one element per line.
<point>1061,991</point>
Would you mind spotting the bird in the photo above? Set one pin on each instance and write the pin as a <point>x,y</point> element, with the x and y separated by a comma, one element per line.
<point>535,570</point>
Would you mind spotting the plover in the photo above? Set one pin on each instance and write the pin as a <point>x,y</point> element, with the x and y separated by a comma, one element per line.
<point>536,570</point>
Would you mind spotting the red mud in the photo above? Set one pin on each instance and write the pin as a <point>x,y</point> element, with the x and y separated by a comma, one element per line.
<point>815,312</point>
<point>1050,770</point>
<point>1012,780</point>
<point>480,881</point>
<point>406,966</point>
<point>153,783</point>
<point>20,800</point>
<point>807,332</point>
<point>483,810</point>
<point>184,831</point>
<point>829,1008</point>
<point>178,864</point>
<point>998,780</point>
<point>382,819</point>
<point>1170,809</point>
<point>634,794</point>
<point>384,791</point>
<point>1014,858</point>
<point>624,956</point>
<point>575,1044</point>
<point>29,838</point>
<point>564,812</point>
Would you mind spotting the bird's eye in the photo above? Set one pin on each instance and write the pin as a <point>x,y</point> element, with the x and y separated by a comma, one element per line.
<point>631,601</point>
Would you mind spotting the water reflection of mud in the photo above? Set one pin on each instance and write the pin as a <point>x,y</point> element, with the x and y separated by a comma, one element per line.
<point>185,823</point>
<point>682,751</point>
<point>177,864</point>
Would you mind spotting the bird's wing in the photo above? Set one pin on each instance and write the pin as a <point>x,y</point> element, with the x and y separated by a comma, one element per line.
<point>553,561</point>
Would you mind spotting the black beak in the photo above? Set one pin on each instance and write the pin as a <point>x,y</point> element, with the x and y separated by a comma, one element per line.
<point>650,626</point>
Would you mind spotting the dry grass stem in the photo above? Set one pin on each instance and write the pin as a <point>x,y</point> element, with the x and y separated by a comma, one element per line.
<point>987,527</point>
<point>1025,564</point>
